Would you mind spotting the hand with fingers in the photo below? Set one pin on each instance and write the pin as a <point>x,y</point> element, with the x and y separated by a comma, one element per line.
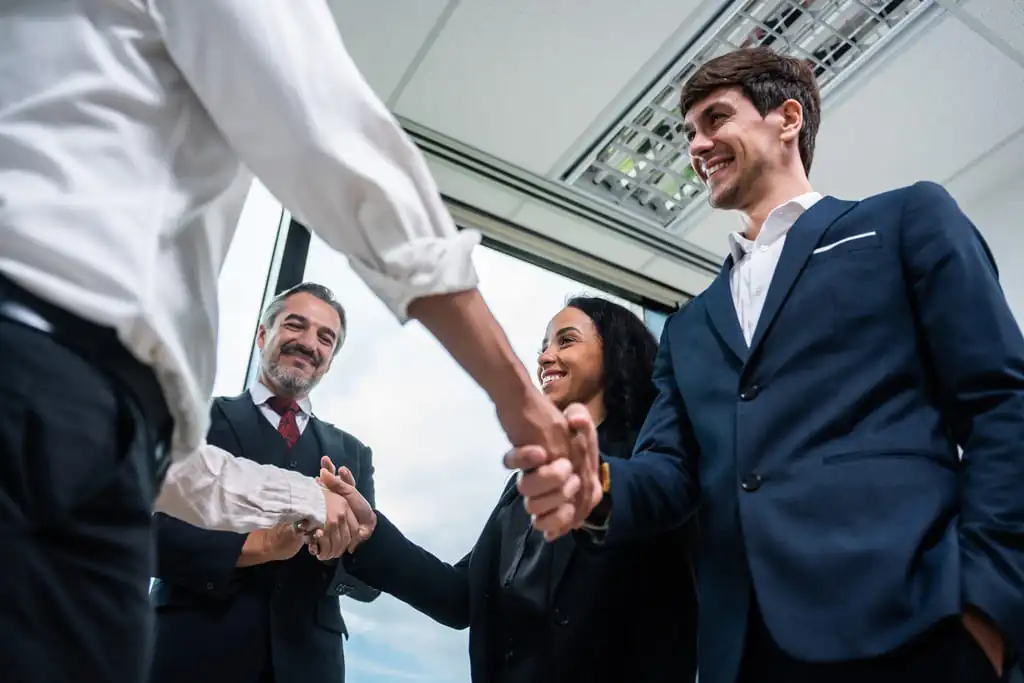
<point>533,419</point>
<point>362,520</point>
<point>560,493</point>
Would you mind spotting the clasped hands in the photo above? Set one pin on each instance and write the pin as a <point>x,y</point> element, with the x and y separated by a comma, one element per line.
<point>350,520</point>
<point>557,459</point>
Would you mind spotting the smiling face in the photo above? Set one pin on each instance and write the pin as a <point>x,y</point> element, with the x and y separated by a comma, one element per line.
<point>297,349</point>
<point>571,363</point>
<point>735,150</point>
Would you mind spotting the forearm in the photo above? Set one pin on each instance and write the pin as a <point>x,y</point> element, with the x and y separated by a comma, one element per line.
<point>464,325</point>
<point>255,550</point>
<point>212,489</point>
<point>392,563</point>
<point>650,494</point>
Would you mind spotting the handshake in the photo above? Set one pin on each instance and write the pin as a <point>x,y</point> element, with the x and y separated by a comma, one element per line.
<point>349,521</point>
<point>559,469</point>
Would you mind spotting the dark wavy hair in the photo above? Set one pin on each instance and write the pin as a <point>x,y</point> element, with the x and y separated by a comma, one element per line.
<point>628,351</point>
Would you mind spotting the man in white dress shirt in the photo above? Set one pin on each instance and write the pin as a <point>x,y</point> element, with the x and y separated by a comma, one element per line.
<point>129,134</point>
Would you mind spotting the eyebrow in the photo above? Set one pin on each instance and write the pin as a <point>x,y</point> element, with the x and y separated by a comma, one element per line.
<point>714,107</point>
<point>305,321</point>
<point>544,342</point>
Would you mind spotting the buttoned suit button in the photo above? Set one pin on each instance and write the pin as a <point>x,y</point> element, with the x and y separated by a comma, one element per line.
<point>750,393</point>
<point>751,482</point>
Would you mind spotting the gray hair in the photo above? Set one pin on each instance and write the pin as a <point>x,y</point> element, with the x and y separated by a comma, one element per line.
<point>277,304</point>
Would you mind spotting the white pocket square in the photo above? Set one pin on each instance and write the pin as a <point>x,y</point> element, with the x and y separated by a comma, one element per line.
<point>827,247</point>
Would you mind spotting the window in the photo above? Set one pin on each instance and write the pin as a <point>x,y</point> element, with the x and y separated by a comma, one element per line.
<point>655,321</point>
<point>436,443</point>
<point>242,286</point>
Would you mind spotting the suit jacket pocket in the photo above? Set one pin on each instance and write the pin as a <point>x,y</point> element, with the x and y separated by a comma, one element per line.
<point>328,616</point>
<point>836,246</point>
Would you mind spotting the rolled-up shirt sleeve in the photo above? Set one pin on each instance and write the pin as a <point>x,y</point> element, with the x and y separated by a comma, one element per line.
<point>277,80</point>
<point>212,489</point>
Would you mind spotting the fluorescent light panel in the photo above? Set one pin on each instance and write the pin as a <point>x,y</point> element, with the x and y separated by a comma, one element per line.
<point>644,167</point>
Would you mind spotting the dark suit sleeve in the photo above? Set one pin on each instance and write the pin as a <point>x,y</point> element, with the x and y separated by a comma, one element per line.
<point>343,582</point>
<point>194,558</point>
<point>396,565</point>
<point>977,361</point>
<point>656,490</point>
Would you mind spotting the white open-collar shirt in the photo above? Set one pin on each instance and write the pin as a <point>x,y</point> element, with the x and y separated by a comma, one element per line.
<point>129,134</point>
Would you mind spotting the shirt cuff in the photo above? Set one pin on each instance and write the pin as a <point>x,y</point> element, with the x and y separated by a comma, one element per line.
<point>426,266</point>
<point>212,489</point>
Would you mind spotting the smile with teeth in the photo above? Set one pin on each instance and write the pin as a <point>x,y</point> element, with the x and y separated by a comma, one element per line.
<point>716,167</point>
<point>550,377</point>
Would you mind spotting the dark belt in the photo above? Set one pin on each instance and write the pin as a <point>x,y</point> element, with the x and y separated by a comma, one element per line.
<point>101,347</point>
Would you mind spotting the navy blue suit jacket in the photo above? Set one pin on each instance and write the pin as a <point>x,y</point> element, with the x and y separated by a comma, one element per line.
<point>822,461</point>
<point>215,621</point>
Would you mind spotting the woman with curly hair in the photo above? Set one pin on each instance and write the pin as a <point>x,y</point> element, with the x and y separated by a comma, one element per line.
<point>557,612</point>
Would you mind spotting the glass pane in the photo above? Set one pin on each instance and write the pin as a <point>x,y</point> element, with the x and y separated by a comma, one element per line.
<point>655,321</point>
<point>436,443</point>
<point>241,286</point>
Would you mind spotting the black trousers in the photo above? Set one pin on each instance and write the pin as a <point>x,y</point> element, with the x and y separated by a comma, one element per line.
<point>945,654</point>
<point>77,483</point>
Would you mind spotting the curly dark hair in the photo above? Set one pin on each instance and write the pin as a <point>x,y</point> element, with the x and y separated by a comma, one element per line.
<point>628,351</point>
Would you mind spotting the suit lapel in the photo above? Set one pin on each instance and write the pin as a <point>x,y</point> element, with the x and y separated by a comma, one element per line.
<point>722,312</point>
<point>330,446</point>
<point>244,416</point>
<point>801,241</point>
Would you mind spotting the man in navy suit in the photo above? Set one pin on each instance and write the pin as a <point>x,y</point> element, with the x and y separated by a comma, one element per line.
<point>812,403</point>
<point>258,608</point>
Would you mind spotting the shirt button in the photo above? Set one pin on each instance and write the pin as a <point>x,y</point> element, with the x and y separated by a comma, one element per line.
<point>758,291</point>
<point>293,463</point>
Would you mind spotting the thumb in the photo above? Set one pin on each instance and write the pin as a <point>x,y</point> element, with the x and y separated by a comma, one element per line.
<point>334,483</point>
<point>578,417</point>
<point>346,476</point>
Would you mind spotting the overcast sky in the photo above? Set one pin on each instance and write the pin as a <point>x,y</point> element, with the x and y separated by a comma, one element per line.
<point>436,443</point>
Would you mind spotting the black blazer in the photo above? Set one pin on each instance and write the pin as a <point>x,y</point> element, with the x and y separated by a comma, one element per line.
<point>214,622</point>
<point>627,615</point>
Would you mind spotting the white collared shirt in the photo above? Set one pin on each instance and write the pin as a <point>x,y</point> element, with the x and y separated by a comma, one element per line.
<point>261,393</point>
<point>755,261</point>
<point>128,130</point>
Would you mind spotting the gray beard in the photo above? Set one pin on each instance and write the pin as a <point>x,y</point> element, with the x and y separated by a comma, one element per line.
<point>292,383</point>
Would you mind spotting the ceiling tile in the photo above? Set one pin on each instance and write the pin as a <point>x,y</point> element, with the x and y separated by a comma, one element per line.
<point>923,116</point>
<point>521,80</point>
<point>381,46</point>
<point>1005,18</point>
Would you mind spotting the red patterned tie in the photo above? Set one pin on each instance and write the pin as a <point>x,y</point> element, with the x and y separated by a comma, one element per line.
<point>287,408</point>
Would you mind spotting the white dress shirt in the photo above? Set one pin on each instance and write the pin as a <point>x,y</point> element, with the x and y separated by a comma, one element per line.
<point>260,394</point>
<point>128,130</point>
<point>754,261</point>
